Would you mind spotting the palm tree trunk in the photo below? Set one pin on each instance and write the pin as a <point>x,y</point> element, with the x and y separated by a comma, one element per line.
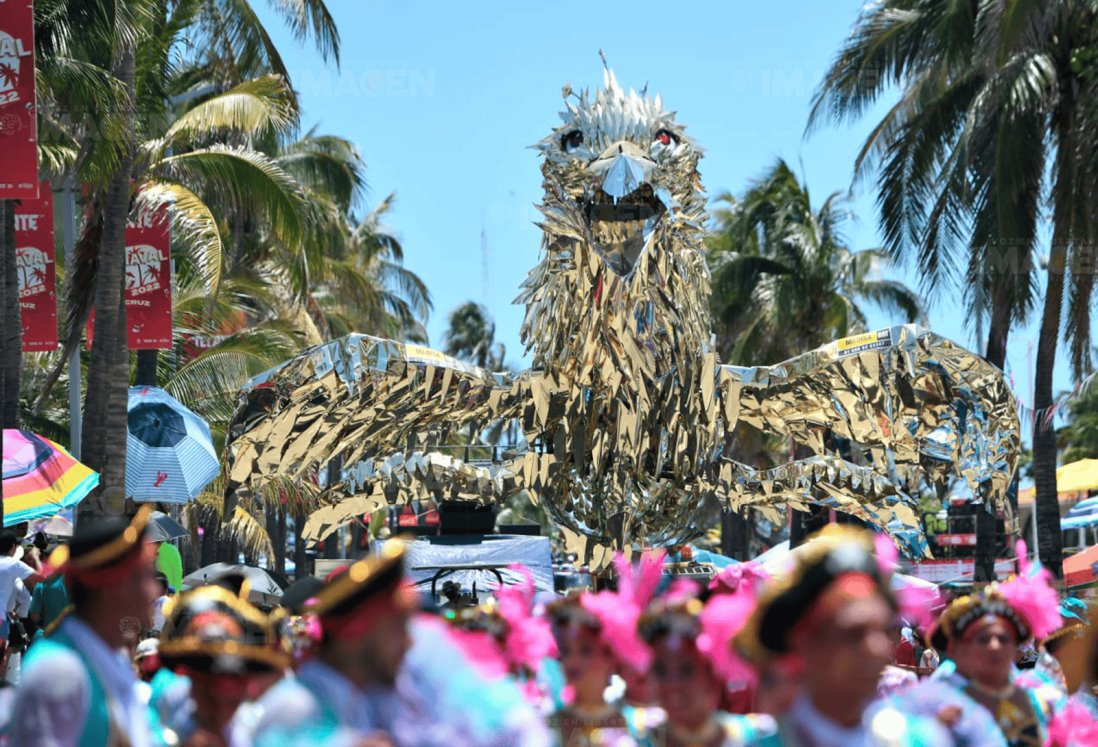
<point>986,549</point>
<point>104,432</point>
<point>1047,508</point>
<point>147,361</point>
<point>11,344</point>
<point>1044,434</point>
<point>300,559</point>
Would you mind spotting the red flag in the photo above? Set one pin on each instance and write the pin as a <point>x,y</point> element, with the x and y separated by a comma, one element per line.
<point>18,115</point>
<point>148,283</point>
<point>34,260</point>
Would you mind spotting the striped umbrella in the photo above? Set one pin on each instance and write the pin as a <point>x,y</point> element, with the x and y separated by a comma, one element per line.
<point>170,455</point>
<point>40,477</point>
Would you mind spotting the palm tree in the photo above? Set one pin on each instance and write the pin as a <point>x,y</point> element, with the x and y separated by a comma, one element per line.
<point>1079,437</point>
<point>785,281</point>
<point>995,120</point>
<point>472,337</point>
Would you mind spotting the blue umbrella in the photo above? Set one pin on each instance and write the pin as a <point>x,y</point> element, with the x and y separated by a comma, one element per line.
<point>170,455</point>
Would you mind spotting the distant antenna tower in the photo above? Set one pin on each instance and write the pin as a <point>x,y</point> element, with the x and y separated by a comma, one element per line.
<point>484,268</point>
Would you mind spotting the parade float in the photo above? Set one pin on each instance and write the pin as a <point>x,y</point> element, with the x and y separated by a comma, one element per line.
<point>626,410</point>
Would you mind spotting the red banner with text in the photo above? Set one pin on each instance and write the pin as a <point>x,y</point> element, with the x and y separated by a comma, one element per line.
<point>148,283</point>
<point>18,107</point>
<point>34,261</point>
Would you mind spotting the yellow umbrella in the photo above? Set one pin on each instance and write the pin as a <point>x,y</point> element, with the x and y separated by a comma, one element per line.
<point>1081,475</point>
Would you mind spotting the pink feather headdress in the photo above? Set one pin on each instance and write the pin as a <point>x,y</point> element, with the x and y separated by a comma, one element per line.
<point>1074,725</point>
<point>1033,596</point>
<point>917,604</point>
<point>721,619</point>
<point>528,639</point>
<point>618,611</point>
<point>731,579</point>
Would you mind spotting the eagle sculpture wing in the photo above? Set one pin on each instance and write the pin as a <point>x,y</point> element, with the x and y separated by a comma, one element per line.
<point>379,419</point>
<point>883,414</point>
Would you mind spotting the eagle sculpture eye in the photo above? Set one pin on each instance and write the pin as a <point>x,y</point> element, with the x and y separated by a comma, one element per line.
<point>571,141</point>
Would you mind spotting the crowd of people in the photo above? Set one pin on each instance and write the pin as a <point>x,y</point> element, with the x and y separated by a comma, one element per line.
<point>826,654</point>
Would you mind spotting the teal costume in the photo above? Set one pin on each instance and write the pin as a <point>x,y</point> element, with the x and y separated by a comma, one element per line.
<point>97,724</point>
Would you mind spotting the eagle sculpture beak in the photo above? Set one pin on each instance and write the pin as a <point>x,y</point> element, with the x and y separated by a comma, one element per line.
<point>622,206</point>
<point>622,169</point>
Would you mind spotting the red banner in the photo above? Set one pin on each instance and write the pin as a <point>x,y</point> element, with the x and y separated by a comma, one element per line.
<point>148,283</point>
<point>18,107</point>
<point>34,260</point>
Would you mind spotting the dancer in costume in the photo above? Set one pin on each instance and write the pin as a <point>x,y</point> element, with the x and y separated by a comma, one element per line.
<point>78,687</point>
<point>382,675</point>
<point>692,666</point>
<point>585,718</point>
<point>218,644</point>
<point>364,613</point>
<point>834,611</point>
<point>1076,725</point>
<point>982,634</point>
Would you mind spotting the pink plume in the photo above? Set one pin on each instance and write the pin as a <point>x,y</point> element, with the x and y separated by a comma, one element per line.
<point>721,620</point>
<point>480,649</point>
<point>1033,596</point>
<point>681,590</point>
<point>920,605</point>
<point>529,639</point>
<point>1074,725</point>
<point>618,611</point>
<point>888,557</point>
<point>750,576</point>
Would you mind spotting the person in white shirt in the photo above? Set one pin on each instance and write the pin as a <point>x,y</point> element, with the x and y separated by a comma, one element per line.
<point>13,569</point>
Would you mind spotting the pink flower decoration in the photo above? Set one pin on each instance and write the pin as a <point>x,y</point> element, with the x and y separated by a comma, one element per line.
<point>1074,726</point>
<point>1032,595</point>
<point>529,639</point>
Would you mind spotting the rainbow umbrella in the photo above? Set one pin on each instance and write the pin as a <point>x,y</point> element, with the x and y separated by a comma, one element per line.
<point>40,477</point>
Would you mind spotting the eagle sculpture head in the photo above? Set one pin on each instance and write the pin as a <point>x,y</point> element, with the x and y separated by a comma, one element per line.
<point>624,223</point>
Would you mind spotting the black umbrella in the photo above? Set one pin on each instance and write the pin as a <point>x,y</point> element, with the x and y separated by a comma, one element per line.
<point>163,528</point>
<point>299,592</point>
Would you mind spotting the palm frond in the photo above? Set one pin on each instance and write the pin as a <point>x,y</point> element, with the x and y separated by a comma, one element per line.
<point>250,109</point>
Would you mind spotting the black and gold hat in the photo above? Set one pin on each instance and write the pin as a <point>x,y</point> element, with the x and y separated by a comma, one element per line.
<point>834,553</point>
<point>210,629</point>
<point>964,611</point>
<point>101,551</point>
<point>353,598</point>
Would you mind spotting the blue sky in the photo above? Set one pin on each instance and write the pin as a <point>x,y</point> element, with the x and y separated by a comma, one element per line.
<point>443,100</point>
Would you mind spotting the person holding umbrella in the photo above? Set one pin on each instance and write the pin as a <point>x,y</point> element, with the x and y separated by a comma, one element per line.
<point>77,687</point>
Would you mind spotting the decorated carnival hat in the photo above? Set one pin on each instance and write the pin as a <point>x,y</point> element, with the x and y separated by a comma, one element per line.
<point>103,551</point>
<point>837,564</point>
<point>211,629</point>
<point>354,598</point>
<point>1027,601</point>
<point>710,626</point>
